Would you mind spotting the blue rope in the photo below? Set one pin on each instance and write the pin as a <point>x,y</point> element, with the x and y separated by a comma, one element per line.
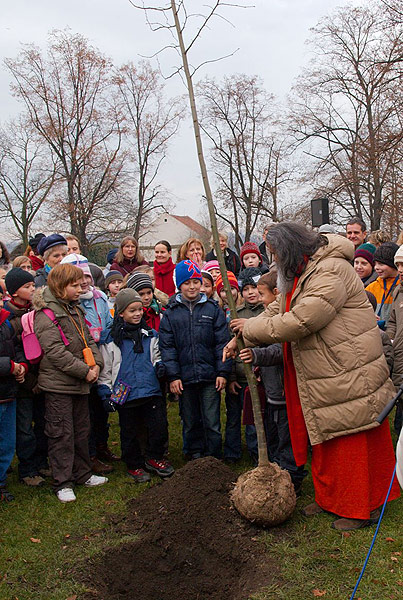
<point>374,538</point>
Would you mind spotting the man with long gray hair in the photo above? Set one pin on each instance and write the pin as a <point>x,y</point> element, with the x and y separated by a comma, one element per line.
<point>335,374</point>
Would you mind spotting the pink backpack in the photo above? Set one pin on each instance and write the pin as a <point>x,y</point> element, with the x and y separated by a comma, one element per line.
<point>32,347</point>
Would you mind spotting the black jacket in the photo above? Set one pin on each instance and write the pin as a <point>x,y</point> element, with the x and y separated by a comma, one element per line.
<point>10,351</point>
<point>232,260</point>
<point>191,342</point>
<point>270,361</point>
<point>41,277</point>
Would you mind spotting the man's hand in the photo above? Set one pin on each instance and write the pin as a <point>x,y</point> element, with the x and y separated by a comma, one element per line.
<point>246,355</point>
<point>237,325</point>
<point>230,350</point>
<point>233,387</point>
<point>220,383</point>
<point>176,387</point>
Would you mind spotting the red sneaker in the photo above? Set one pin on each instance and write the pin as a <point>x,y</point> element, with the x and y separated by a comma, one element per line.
<point>139,475</point>
<point>160,467</point>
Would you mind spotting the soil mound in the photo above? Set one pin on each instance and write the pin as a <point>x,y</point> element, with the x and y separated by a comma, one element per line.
<point>192,544</point>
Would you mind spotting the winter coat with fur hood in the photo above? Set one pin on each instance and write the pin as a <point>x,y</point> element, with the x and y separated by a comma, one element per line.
<point>341,370</point>
<point>62,368</point>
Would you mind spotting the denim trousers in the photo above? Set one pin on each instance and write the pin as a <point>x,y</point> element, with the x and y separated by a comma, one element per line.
<point>279,441</point>
<point>200,403</point>
<point>7,437</point>
<point>32,443</point>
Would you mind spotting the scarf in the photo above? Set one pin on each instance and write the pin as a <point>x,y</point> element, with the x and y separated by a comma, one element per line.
<point>164,276</point>
<point>152,315</point>
<point>126,331</point>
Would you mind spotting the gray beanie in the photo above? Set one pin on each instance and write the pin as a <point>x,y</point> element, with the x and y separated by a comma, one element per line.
<point>124,298</point>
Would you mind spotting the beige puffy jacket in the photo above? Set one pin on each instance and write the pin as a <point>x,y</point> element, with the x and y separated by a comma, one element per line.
<point>342,374</point>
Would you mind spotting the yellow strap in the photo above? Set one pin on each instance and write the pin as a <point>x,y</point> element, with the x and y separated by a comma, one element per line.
<point>80,332</point>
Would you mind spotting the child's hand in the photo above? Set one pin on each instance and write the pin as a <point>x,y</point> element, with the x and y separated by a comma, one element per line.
<point>237,325</point>
<point>19,372</point>
<point>176,387</point>
<point>220,383</point>
<point>230,350</point>
<point>233,387</point>
<point>246,355</point>
<point>92,374</point>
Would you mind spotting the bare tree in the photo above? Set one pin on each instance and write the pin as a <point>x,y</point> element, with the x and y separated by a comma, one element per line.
<point>174,17</point>
<point>27,176</point>
<point>151,120</point>
<point>240,118</point>
<point>346,105</point>
<point>68,97</point>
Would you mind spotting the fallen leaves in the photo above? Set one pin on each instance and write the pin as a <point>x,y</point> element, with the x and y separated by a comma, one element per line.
<point>35,540</point>
<point>390,539</point>
<point>318,593</point>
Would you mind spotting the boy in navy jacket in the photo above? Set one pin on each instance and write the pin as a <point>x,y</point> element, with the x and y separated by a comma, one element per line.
<point>193,333</point>
<point>129,382</point>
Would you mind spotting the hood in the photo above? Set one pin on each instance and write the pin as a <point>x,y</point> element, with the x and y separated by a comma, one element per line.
<point>337,247</point>
<point>43,298</point>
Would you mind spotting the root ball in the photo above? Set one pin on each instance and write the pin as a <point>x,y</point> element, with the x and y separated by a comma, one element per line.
<point>265,495</point>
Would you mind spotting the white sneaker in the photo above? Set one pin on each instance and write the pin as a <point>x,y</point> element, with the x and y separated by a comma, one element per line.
<point>66,495</point>
<point>95,480</point>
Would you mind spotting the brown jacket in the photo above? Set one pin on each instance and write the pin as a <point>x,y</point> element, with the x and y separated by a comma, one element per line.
<point>395,332</point>
<point>342,374</point>
<point>62,368</point>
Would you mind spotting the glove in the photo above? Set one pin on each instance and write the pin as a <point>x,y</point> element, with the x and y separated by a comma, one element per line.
<point>109,406</point>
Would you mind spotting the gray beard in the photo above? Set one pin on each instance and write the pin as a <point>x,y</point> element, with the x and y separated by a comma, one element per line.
<point>284,285</point>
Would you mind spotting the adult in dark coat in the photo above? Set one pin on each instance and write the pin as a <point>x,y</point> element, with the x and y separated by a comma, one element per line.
<point>232,261</point>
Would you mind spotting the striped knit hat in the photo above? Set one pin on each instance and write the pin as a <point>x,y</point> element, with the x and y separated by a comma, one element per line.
<point>366,251</point>
<point>78,260</point>
<point>138,281</point>
<point>232,281</point>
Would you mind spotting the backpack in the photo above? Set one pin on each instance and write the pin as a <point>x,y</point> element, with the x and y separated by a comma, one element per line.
<point>32,348</point>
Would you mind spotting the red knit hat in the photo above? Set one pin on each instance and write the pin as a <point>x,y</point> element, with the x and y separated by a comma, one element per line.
<point>250,248</point>
<point>232,281</point>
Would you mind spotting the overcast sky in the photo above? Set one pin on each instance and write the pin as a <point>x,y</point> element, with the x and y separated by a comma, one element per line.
<point>270,36</point>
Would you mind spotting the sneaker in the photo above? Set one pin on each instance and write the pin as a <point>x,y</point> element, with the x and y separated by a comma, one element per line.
<point>66,495</point>
<point>95,480</point>
<point>160,467</point>
<point>5,495</point>
<point>105,453</point>
<point>100,468</point>
<point>33,480</point>
<point>139,475</point>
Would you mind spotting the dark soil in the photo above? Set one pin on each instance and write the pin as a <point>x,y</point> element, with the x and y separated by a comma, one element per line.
<point>192,544</point>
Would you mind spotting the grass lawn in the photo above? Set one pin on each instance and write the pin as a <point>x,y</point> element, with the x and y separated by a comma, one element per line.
<point>43,543</point>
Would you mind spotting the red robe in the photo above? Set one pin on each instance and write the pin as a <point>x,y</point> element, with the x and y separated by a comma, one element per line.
<point>351,474</point>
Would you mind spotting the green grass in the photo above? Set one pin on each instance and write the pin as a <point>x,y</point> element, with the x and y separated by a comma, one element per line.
<point>313,558</point>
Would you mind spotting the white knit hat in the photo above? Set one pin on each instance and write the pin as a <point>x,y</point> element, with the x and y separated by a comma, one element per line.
<point>398,257</point>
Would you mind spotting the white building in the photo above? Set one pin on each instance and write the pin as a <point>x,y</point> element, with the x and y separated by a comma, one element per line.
<point>176,230</point>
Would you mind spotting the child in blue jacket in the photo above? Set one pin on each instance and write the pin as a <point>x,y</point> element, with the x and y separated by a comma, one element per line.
<point>193,333</point>
<point>129,382</point>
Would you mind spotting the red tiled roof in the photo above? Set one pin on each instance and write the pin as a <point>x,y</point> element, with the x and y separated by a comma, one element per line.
<point>193,225</point>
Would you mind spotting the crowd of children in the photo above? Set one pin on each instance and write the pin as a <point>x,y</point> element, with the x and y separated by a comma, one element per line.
<point>152,330</point>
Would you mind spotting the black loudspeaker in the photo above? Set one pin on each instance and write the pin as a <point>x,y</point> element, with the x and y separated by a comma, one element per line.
<point>320,211</point>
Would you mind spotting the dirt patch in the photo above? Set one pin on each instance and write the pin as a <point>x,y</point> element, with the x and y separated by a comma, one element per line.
<point>192,544</point>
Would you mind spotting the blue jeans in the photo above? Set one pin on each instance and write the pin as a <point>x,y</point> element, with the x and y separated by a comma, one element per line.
<point>31,443</point>
<point>279,442</point>
<point>7,437</point>
<point>201,403</point>
<point>233,441</point>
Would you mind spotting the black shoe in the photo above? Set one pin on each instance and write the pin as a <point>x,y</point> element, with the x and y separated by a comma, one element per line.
<point>105,453</point>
